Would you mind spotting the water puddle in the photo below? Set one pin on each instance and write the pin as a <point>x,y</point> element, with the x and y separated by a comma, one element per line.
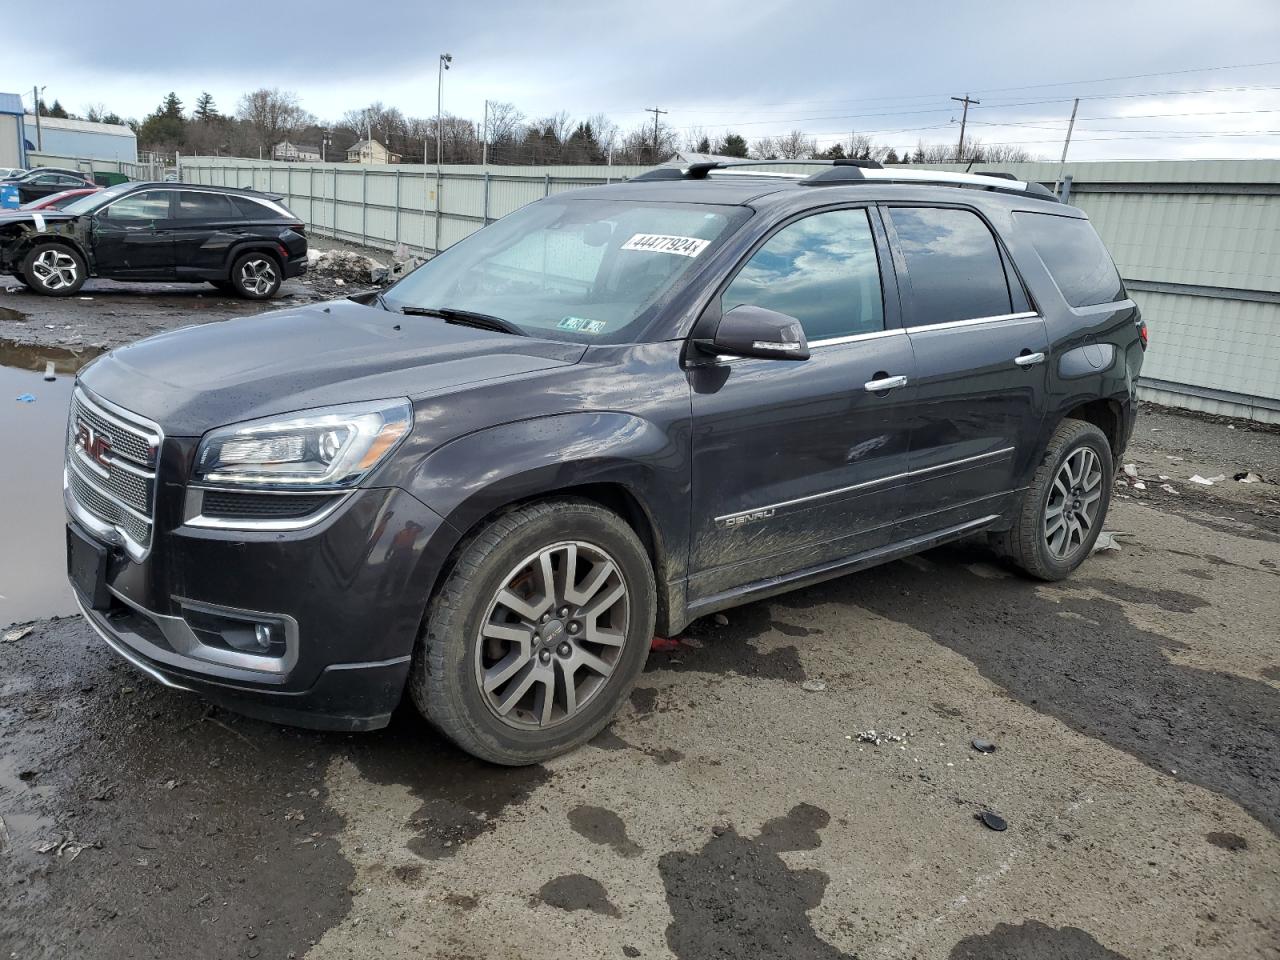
<point>32,545</point>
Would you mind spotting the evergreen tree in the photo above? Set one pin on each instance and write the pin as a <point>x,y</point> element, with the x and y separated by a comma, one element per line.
<point>891,156</point>
<point>704,145</point>
<point>205,110</point>
<point>165,127</point>
<point>57,110</point>
<point>733,145</point>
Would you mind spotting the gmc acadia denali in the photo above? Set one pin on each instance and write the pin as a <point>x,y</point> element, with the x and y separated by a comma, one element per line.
<point>609,413</point>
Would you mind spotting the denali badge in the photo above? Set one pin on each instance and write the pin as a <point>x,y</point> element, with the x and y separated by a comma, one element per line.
<point>93,444</point>
<point>738,519</point>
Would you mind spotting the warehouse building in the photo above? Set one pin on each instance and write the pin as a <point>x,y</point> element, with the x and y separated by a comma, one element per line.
<point>81,139</point>
<point>13,151</point>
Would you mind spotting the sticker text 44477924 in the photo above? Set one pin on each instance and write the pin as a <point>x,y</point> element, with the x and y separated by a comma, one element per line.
<point>661,243</point>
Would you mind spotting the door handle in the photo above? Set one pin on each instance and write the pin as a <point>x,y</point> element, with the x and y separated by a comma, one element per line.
<point>884,383</point>
<point>1025,359</point>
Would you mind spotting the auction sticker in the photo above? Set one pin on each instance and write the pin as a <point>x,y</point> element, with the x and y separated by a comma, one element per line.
<point>661,243</point>
<point>582,325</point>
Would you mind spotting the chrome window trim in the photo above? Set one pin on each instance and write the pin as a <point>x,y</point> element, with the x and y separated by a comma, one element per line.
<point>952,324</point>
<point>864,485</point>
<point>855,337</point>
<point>193,517</point>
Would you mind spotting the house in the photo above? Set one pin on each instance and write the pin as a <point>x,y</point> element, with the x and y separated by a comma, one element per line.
<point>370,151</point>
<point>82,139</point>
<point>12,150</point>
<point>295,152</point>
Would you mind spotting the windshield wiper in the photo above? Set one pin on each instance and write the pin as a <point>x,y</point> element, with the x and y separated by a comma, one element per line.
<point>465,318</point>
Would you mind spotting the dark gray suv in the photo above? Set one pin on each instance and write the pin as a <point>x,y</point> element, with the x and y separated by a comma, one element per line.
<point>609,413</point>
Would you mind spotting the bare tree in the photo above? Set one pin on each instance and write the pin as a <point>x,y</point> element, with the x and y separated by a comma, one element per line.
<point>766,148</point>
<point>796,145</point>
<point>272,115</point>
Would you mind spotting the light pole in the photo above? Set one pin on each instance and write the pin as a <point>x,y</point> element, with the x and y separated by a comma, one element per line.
<point>35,108</point>
<point>445,60</point>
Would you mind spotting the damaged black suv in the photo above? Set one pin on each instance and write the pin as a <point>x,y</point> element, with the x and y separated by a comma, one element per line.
<point>241,241</point>
<point>608,413</point>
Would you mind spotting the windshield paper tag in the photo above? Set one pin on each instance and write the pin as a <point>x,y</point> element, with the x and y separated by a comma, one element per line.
<point>660,243</point>
<point>582,325</point>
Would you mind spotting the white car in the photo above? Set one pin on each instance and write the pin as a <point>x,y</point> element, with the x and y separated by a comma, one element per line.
<point>8,173</point>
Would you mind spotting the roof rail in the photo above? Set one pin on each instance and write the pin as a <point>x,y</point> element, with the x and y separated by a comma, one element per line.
<point>845,172</point>
<point>700,169</point>
<point>1001,182</point>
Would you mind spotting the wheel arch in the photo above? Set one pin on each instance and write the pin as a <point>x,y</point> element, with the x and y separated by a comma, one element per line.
<point>25,245</point>
<point>237,250</point>
<point>1105,414</point>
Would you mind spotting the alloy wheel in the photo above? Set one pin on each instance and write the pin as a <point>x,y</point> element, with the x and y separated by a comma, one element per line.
<point>1073,503</point>
<point>258,276</point>
<point>55,269</point>
<point>552,635</point>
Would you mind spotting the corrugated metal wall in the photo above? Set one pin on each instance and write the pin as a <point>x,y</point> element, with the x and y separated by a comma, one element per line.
<point>1198,243</point>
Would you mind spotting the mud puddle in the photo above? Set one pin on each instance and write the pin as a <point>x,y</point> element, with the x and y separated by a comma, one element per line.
<point>32,563</point>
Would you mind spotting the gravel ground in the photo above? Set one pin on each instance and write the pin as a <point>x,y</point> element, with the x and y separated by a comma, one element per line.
<point>730,811</point>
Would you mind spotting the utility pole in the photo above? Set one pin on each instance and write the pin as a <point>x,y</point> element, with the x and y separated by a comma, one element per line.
<point>963,119</point>
<point>1071,125</point>
<point>35,96</point>
<point>445,60</point>
<point>484,144</point>
<point>655,111</point>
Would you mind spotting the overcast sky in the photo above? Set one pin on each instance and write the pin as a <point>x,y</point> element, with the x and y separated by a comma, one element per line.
<point>885,68</point>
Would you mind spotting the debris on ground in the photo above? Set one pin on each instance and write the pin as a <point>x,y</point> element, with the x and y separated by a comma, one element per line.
<point>1247,476</point>
<point>1131,471</point>
<point>1139,485</point>
<point>984,746</point>
<point>67,847</point>
<point>992,820</point>
<point>721,620</point>
<point>664,644</point>
<point>1168,488</point>
<point>814,686</point>
<point>26,398</point>
<point>1204,482</point>
<point>1107,541</point>
<point>13,636</point>
<point>341,266</point>
<point>874,737</point>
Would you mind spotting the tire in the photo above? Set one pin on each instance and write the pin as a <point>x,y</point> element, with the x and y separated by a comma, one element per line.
<point>22,279</point>
<point>452,660</point>
<point>1036,544</point>
<point>53,270</point>
<point>256,275</point>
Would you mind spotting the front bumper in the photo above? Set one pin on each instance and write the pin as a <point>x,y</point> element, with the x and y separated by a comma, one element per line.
<point>350,592</point>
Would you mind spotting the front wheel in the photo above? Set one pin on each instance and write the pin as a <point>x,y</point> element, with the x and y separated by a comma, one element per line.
<point>256,276</point>
<point>1062,512</point>
<point>53,270</point>
<point>537,634</point>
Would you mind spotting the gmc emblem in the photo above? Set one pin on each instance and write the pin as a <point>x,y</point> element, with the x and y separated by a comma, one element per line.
<point>94,445</point>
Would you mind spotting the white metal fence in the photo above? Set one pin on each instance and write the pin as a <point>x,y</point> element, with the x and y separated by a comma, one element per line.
<point>1197,242</point>
<point>146,170</point>
<point>384,205</point>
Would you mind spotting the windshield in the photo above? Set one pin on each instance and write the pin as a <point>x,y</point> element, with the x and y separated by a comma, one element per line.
<point>590,271</point>
<point>92,201</point>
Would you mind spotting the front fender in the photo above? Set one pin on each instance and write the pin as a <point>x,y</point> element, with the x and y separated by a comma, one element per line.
<point>469,478</point>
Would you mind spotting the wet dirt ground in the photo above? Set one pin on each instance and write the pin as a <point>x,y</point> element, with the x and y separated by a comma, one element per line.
<point>728,812</point>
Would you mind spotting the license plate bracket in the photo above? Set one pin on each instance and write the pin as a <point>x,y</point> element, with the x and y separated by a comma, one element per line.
<point>87,568</point>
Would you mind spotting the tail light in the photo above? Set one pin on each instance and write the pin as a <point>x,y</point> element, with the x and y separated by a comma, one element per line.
<point>1142,332</point>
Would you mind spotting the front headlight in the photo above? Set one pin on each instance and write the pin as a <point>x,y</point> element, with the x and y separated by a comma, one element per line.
<point>328,447</point>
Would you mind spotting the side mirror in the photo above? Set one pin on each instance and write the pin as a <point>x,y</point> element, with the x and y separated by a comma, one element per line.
<point>748,331</point>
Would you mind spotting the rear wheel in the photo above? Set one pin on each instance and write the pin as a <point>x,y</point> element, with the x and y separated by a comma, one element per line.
<point>1062,512</point>
<point>22,279</point>
<point>256,276</point>
<point>537,634</point>
<point>53,270</point>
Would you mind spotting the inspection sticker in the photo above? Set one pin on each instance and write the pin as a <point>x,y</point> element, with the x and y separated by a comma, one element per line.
<point>582,325</point>
<point>660,243</point>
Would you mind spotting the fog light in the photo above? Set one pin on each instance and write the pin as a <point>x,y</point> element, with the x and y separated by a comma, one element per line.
<point>263,635</point>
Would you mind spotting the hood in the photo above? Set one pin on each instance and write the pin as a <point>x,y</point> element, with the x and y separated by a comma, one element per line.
<point>29,216</point>
<point>200,377</point>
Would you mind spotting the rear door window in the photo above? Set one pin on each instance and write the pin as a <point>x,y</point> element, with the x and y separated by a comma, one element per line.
<point>954,266</point>
<point>1075,257</point>
<point>822,270</point>
<point>196,205</point>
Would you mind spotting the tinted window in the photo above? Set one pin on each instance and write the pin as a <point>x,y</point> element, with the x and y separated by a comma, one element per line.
<point>252,209</point>
<point>822,270</point>
<point>953,265</point>
<point>204,206</point>
<point>1075,258</point>
<point>151,205</point>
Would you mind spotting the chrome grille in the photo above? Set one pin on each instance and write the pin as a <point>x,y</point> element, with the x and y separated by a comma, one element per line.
<point>111,461</point>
